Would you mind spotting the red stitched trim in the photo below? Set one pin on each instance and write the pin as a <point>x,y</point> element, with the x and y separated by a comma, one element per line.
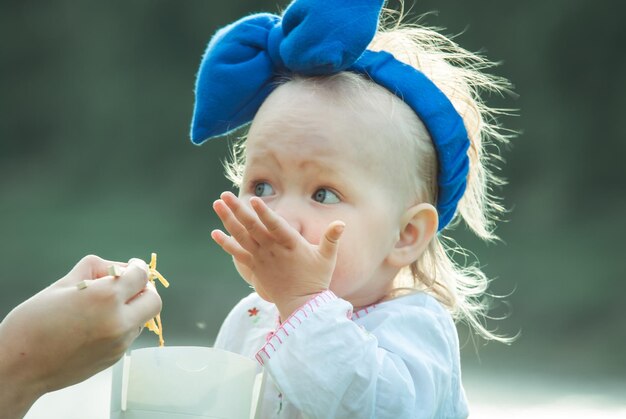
<point>363,312</point>
<point>259,357</point>
<point>273,339</point>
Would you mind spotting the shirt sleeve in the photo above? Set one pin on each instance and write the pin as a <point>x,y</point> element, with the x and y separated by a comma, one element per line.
<point>330,367</point>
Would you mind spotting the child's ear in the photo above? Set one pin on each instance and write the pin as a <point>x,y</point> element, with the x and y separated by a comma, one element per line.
<point>418,226</point>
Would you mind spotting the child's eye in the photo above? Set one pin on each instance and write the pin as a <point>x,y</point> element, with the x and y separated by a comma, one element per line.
<point>325,196</point>
<point>263,189</point>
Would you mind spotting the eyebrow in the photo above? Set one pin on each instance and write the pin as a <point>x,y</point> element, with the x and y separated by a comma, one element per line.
<point>322,167</point>
<point>261,159</point>
<point>311,137</point>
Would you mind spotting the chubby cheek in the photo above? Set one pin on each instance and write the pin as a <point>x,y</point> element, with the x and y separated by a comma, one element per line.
<point>360,257</point>
<point>348,269</point>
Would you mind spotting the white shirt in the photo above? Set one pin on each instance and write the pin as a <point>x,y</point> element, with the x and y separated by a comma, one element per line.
<point>397,359</point>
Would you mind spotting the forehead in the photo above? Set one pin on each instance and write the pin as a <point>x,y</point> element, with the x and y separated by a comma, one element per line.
<point>312,119</point>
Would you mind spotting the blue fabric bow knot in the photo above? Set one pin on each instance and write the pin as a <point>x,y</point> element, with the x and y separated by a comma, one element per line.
<point>321,37</point>
<point>314,37</point>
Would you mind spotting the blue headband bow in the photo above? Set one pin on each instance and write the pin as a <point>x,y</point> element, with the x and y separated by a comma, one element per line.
<point>321,37</point>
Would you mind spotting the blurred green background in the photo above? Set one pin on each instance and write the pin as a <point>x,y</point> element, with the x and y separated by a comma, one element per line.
<point>95,105</point>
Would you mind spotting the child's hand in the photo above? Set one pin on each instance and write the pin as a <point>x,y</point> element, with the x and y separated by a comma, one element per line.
<point>272,256</point>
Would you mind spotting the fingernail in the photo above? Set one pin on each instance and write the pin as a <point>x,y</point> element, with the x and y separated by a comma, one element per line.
<point>255,202</point>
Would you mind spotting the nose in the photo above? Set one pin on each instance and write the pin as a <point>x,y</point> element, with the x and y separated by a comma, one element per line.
<point>291,211</point>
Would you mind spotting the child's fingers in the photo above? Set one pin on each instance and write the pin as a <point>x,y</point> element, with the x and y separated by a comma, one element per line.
<point>231,247</point>
<point>330,242</point>
<point>276,226</point>
<point>246,217</point>
<point>233,226</point>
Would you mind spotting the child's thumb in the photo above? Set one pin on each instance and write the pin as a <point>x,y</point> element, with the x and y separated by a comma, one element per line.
<point>329,244</point>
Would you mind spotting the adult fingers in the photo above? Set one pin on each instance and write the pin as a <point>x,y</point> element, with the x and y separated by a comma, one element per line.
<point>145,305</point>
<point>91,267</point>
<point>276,226</point>
<point>133,279</point>
<point>330,242</point>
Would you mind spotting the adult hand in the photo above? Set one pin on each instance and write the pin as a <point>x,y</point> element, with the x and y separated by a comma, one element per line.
<point>282,265</point>
<point>71,330</point>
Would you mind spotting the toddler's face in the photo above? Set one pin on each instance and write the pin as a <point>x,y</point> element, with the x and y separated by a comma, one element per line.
<point>313,162</point>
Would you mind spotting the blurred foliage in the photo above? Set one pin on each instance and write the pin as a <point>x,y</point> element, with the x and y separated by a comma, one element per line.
<point>95,105</point>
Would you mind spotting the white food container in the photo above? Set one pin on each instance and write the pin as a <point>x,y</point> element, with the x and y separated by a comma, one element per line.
<point>184,382</point>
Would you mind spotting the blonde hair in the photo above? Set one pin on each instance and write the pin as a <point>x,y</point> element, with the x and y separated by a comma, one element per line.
<point>460,75</point>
